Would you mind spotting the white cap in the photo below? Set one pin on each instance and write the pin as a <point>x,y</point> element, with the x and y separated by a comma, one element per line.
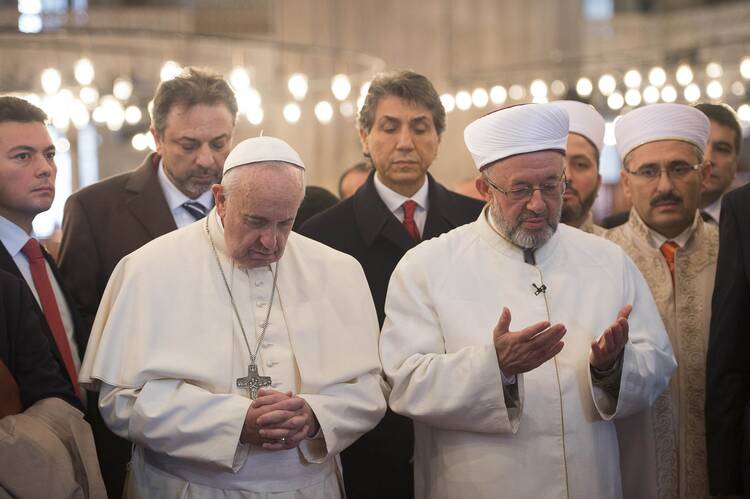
<point>661,122</point>
<point>584,120</point>
<point>516,130</point>
<point>260,149</point>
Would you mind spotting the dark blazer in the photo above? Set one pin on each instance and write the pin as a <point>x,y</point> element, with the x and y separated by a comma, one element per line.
<point>80,331</point>
<point>104,222</point>
<point>728,356</point>
<point>25,350</point>
<point>379,464</point>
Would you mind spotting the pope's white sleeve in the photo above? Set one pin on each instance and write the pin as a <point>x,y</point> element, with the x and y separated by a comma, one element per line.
<point>460,390</point>
<point>648,361</point>
<point>345,411</point>
<point>179,419</point>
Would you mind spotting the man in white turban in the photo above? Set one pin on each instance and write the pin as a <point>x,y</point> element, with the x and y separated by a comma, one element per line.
<point>663,174</point>
<point>520,408</point>
<point>238,357</point>
<point>584,147</point>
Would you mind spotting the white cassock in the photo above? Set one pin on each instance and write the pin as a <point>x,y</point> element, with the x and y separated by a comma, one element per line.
<point>555,439</point>
<point>166,351</point>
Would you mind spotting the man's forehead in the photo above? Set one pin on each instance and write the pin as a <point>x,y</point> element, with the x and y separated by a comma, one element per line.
<point>663,151</point>
<point>395,107</point>
<point>33,135</point>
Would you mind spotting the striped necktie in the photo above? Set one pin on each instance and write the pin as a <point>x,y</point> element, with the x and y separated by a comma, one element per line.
<point>196,209</point>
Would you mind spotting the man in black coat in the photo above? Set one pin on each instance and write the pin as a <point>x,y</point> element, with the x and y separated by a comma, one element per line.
<point>727,366</point>
<point>27,188</point>
<point>399,205</point>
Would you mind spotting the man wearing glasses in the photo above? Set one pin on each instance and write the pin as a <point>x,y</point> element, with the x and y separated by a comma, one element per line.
<point>521,405</point>
<point>663,171</point>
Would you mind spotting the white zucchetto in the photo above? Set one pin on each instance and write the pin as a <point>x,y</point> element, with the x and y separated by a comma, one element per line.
<point>260,149</point>
<point>585,120</point>
<point>516,130</point>
<point>661,122</point>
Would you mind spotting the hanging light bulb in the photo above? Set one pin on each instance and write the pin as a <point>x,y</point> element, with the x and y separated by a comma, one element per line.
<point>133,115</point>
<point>341,86</point>
<point>745,68</point>
<point>255,116</point>
<point>650,95</point>
<point>84,71</point>
<point>657,77</point>
<point>584,87</point>
<point>324,112</point>
<point>449,103</point>
<point>607,84</point>
<point>633,97</point>
<point>615,101</point>
<point>463,100</point>
<point>297,86</point>
<point>632,78</point>
<point>292,112</point>
<point>51,81</point>
<point>714,70</point>
<point>684,75</point>
<point>170,70</point>
<point>122,89</point>
<point>498,94</point>
<point>239,78</point>
<point>714,90</point>
<point>480,98</point>
<point>668,93</point>
<point>692,93</point>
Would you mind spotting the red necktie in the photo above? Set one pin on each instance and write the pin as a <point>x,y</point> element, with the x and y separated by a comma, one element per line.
<point>668,249</point>
<point>33,252</point>
<point>411,227</point>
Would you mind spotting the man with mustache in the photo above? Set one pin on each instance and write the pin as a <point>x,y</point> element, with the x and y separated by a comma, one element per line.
<point>520,407</point>
<point>399,205</point>
<point>663,171</point>
<point>585,142</point>
<point>192,123</point>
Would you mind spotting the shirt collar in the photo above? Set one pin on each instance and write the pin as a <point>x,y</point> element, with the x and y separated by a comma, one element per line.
<point>12,236</point>
<point>393,200</point>
<point>714,209</point>
<point>175,198</point>
<point>657,239</point>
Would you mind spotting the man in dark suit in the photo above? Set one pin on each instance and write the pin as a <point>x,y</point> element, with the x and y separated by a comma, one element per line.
<point>27,188</point>
<point>400,204</point>
<point>192,123</point>
<point>727,367</point>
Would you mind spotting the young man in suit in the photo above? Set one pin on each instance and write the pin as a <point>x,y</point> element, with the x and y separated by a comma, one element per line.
<point>727,374</point>
<point>27,188</point>
<point>400,204</point>
<point>192,123</point>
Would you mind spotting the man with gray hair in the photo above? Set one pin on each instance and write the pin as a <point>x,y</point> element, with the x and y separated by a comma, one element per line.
<point>520,413</point>
<point>192,123</point>
<point>399,205</point>
<point>259,367</point>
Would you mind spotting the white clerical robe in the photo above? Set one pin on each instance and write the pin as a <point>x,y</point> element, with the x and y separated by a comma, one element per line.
<point>164,349</point>
<point>555,439</point>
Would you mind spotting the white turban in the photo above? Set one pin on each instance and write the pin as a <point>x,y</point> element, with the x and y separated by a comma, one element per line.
<point>584,120</point>
<point>661,122</point>
<point>260,149</point>
<point>516,130</point>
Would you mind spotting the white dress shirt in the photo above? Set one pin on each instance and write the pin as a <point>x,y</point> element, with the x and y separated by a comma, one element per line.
<point>394,201</point>
<point>713,210</point>
<point>175,198</point>
<point>14,238</point>
<point>656,239</point>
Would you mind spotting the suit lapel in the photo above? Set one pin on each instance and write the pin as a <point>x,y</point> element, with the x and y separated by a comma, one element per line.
<point>146,200</point>
<point>374,219</point>
<point>8,264</point>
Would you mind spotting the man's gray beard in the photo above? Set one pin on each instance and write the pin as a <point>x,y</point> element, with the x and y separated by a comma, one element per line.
<point>520,237</point>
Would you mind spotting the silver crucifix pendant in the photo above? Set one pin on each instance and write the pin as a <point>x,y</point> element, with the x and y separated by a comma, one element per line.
<point>253,381</point>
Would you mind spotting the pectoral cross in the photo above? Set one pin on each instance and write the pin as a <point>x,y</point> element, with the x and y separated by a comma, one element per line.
<point>253,381</point>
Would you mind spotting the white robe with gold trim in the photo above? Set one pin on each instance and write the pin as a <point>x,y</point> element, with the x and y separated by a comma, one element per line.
<point>558,441</point>
<point>163,342</point>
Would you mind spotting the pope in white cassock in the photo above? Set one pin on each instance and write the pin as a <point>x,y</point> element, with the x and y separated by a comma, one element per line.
<point>525,413</point>
<point>240,358</point>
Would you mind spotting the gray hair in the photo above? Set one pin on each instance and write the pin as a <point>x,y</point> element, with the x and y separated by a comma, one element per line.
<point>409,86</point>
